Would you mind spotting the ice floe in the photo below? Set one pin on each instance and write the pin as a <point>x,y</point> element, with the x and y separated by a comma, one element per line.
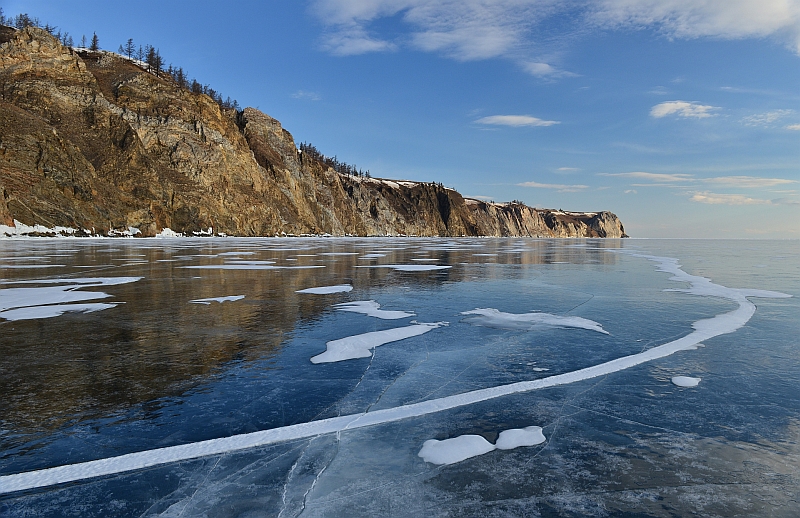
<point>703,330</point>
<point>326,290</point>
<point>209,300</point>
<point>490,317</point>
<point>408,267</point>
<point>33,312</point>
<point>685,381</point>
<point>358,346</point>
<point>372,308</point>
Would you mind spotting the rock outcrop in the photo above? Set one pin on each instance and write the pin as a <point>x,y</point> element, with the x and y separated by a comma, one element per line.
<point>90,140</point>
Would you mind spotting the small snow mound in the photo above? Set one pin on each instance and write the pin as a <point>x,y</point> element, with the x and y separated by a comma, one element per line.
<point>685,381</point>
<point>516,437</point>
<point>229,298</point>
<point>168,232</point>
<point>454,450</point>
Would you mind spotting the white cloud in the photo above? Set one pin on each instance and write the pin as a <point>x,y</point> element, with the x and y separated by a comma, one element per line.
<point>727,199</point>
<point>559,187</point>
<point>793,127</point>
<point>515,120</point>
<point>727,19</point>
<point>631,191</point>
<point>539,69</point>
<point>656,177</point>
<point>747,181</point>
<point>567,169</point>
<point>766,119</point>
<point>683,109</point>
<point>309,96</point>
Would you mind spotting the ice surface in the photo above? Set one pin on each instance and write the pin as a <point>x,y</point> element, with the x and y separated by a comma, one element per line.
<point>358,346</point>
<point>685,381</point>
<point>325,290</point>
<point>408,267</point>
<point>209,300</point>
<point>249,265</point>
<point>371,308</point>
<point>516,437</point>
<point>490,317</point>
<point>454,450</point>
<point>703,330</point>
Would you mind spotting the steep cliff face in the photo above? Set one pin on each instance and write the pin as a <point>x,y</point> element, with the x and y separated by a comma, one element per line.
<point>90,140</point>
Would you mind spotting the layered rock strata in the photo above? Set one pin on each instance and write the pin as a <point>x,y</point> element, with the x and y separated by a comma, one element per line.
<point>90,140</point>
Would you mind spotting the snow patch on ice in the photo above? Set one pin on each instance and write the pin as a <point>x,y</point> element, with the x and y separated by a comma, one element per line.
<point>490,317</point>
<point>685,381</point>
<point>32,312</point>
<point>326,290</point>
<point>408,267</point>
<point>457,449</point>
<point>358,346</point>
<point>168,232</point>
<point>371,308</point>
<point>516,437</point>
<point>372,256</point>
<point>209,300</point>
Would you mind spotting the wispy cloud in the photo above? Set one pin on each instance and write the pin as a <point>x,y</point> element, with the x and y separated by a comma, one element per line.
<point>684,109</point>
<point>515,121</point>
<point>747,181</point>
<point>727,199</point>
<point>308,96</point>
<point>656,177</point>
<point>540,69</point>
<point>766,119</point>
<point>558,187</point>
<point>567,169</point>
<point>793,127</point>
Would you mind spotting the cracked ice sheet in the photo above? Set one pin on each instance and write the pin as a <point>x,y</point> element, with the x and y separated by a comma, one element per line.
<point>327,290</point>
<point>490,317</point>
<point>358,346</point>
<point>209,300</point>
<point>371,308</point>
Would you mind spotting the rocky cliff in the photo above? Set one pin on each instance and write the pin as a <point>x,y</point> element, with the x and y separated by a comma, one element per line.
<point>90,140</point>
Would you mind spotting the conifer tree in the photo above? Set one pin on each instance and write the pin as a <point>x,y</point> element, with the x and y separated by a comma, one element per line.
<point>95,45</point>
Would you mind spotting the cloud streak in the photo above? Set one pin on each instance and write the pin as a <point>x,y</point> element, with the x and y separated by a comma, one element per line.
<point>683,109</point>
<point>515,121</point>
<point>558,187</point>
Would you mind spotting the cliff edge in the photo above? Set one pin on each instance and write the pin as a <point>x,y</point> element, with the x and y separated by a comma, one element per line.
<point>91,140</point>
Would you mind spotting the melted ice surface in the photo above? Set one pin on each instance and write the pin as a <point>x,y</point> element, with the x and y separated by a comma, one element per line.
<point>371,308</point>
<point>359,346</point>
<point>326,290</point>
<point>685,381</point>
<point>490,317</point>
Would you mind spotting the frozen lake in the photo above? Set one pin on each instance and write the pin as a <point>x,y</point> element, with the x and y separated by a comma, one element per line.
<point>399,376</point>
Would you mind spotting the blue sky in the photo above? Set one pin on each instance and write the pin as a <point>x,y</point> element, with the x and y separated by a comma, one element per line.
<point>681,116</point>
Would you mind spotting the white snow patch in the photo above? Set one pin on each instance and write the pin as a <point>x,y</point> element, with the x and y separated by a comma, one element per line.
<point>326,290</point>
<point>516,437</point>
<point>408,267</point>
<point>685,381</point>
<point>372,256</point>
<point>248,265</point>
<point>454,450</point>
<point>371,308</point>
<point>209,300</point>
<point>358,346</point>
<point>490,317</point>
<point>33,312</point>
<point>718,325</point>
<point>21,229</point>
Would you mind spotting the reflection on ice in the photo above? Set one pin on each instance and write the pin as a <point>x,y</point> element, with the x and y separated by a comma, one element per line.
<point>359,346</point>
<point>209,300</point>
<point>371,308</point>
<point>685,381</point>
<point>490,317</point>
<point>326,290</point>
